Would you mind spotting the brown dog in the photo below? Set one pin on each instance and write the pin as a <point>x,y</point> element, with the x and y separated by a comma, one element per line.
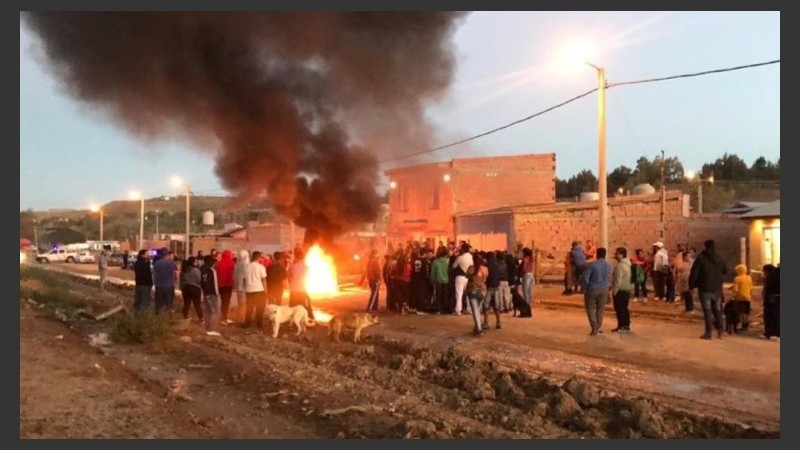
<point>355,322</point>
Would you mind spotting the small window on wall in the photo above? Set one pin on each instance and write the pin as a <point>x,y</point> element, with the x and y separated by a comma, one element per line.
<point>402,192</point>
<point>434,203</point>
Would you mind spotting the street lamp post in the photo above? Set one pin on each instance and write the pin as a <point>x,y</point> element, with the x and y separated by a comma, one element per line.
<point>178,182</point>
<point>700,181</point>
<point>138,196</point>
<point>663,198</point>
<point>99,209</point>
<point>601,150</point>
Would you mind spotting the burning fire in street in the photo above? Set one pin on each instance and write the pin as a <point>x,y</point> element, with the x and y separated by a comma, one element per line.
<point>321,278</point>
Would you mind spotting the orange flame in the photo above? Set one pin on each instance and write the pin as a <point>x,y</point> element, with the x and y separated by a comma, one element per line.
<point>321,278</point>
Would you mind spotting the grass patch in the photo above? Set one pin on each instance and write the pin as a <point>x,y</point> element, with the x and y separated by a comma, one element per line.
<point>142,328</point>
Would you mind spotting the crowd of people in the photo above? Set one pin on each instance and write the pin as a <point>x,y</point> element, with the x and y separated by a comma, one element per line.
<point>682,275</point>
<point>222,288</point>
<point>452,279</point>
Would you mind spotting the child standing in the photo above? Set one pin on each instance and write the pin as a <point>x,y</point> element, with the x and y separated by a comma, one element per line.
<point>742,287</point>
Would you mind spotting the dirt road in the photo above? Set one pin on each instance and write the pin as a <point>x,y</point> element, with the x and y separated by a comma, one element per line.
<point>423,376</point>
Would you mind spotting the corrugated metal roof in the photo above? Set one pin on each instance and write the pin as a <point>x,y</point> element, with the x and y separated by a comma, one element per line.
<point>769,210</point>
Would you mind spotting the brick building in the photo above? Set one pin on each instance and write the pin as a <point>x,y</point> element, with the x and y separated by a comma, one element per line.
<point>424,199</point>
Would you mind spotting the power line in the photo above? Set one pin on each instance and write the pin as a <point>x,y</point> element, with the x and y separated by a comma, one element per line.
<point>577,97</point>
<point>516,122</point>
<point>696,74</point>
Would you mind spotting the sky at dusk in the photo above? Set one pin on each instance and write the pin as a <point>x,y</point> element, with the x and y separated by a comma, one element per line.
<point>71,155</point>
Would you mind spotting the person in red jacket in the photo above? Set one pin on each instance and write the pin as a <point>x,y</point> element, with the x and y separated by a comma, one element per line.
<point>225,268</point>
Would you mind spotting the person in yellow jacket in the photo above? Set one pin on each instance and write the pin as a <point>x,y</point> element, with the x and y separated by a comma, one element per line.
<point>742,289</point>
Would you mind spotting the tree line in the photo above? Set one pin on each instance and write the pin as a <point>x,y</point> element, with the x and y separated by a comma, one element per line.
<point>729,167</point>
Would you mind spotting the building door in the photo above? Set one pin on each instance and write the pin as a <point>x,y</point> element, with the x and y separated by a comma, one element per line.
<point>772,245</point>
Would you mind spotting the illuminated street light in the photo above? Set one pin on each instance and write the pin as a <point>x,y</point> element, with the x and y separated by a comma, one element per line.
<point>136,195</point>
<point>446,178</point>
<point>580,52</point>
<point>694,177</point>
<point>97,209</point>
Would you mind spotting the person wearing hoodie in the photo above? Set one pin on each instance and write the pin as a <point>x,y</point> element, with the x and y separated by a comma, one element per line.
<point>191,288</point>
<point>143,274</point>
<point>621,287</point>
<point>706,276</point>
<point>742,289</point>
<point>239,273</point>
<point>225,269</point>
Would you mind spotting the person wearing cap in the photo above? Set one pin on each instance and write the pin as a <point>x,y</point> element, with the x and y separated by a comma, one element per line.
<point>660,270</point>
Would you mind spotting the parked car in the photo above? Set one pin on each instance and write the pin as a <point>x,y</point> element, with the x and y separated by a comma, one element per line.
<point>85,257</point>
<point>56,255</point>
<point>115,259</point>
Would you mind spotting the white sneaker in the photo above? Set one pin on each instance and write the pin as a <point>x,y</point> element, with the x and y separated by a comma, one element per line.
<point>213,333</point>
<point>635,299</point>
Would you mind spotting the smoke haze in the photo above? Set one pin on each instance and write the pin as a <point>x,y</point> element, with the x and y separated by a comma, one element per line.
<point>297,104</point>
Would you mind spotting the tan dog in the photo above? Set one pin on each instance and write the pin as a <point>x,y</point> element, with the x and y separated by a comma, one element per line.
<point>355,322</point>
<point>298,315</point>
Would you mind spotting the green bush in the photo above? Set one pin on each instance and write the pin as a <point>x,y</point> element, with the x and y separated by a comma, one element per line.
<point>142,328</point>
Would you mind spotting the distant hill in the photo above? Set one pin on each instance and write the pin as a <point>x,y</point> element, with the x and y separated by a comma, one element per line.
<point>169,205</point>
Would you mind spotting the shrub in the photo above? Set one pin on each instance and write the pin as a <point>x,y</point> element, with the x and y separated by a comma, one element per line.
<point>142,328</point>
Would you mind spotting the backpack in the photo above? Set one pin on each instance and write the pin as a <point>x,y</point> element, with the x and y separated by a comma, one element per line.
<point>637,274</point>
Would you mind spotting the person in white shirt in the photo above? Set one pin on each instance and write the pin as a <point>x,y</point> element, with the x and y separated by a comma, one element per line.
<point>660,270</point>
<point>255,288</point>
<point>461,264</point>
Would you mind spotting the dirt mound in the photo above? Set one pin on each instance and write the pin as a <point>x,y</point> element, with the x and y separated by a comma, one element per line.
<point>396,389</point>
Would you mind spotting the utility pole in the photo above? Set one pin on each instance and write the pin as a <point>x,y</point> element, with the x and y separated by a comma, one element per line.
<point>158,236</point>
<point>186,253</point>
<point>663,197</point>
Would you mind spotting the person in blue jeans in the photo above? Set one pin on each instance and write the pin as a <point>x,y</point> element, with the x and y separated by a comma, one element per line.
<point>706,276</point>
<point>143,274</point>
<point>596,280</point>
<point>526,272</point>
<point>164,275</point>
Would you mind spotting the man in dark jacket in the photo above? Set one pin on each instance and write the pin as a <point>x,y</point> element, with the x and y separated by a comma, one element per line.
<point>706,275</point>
<point>144,282</point>
<point>276,279</point>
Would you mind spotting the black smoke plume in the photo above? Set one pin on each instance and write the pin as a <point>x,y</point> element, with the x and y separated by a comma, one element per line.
<point>297,104</point>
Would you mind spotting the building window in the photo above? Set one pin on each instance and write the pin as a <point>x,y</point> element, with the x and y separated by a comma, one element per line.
<point>435,195</point>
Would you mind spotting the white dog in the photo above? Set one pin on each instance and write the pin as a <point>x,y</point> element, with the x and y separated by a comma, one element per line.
<point>298,315</point>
